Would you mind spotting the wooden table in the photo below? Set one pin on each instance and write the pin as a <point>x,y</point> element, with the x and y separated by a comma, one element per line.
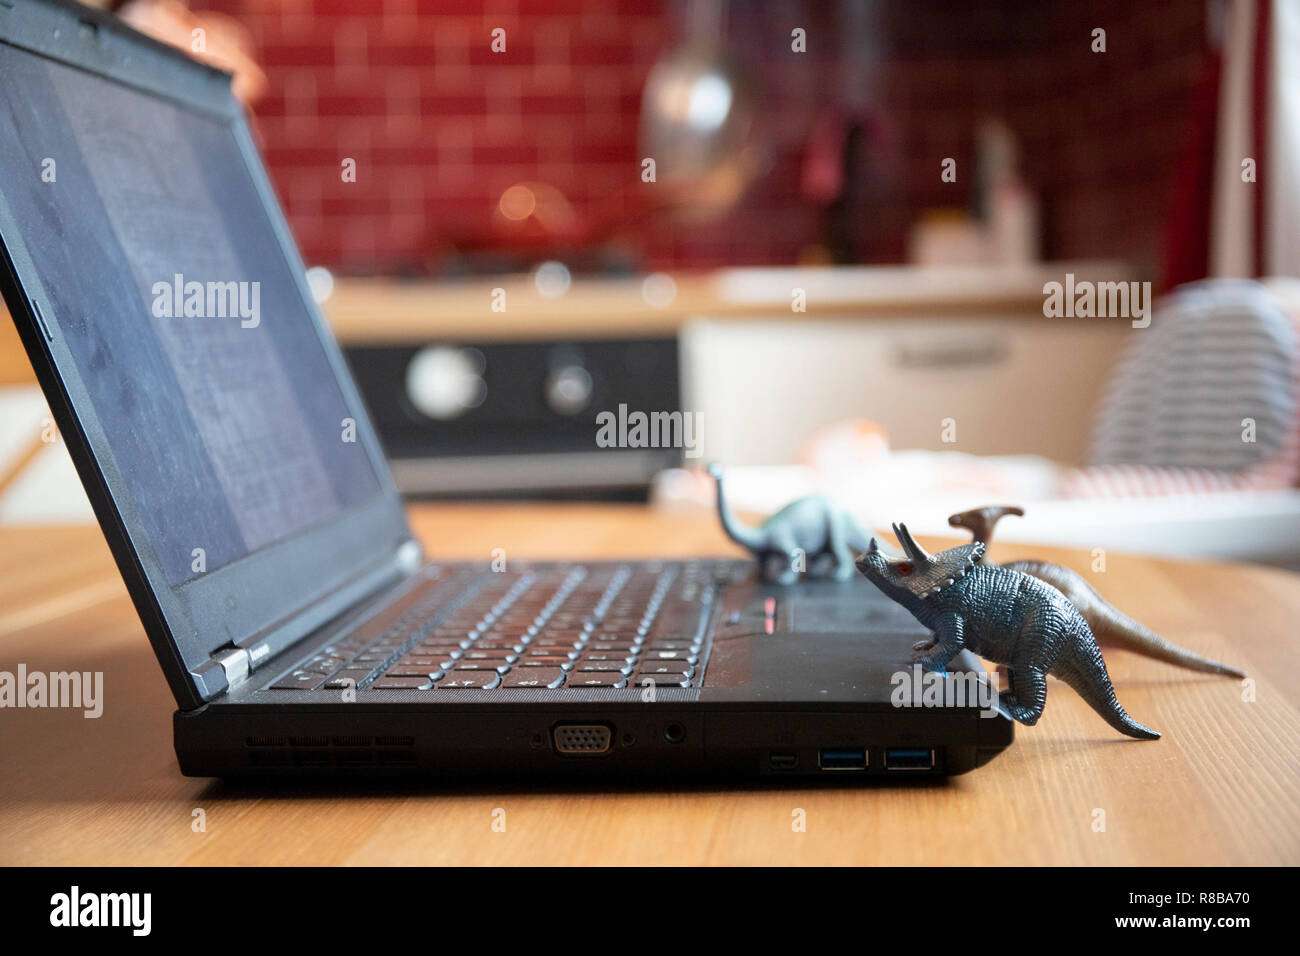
<point>1222,787</point>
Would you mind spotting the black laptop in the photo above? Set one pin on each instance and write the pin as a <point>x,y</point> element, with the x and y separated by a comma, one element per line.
<point>248,505</point>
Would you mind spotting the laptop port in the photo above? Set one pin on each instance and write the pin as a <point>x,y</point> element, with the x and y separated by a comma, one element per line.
<point>585,740</point>
<point>783,761</point>
<point>909,758</point>
<point>842,758</point>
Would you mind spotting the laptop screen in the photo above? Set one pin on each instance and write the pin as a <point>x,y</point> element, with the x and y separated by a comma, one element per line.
<point>182,314</point>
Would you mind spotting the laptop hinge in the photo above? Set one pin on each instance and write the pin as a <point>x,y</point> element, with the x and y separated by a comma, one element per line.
<point>235,663</point>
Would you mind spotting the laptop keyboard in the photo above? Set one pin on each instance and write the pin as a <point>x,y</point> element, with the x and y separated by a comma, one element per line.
<point>603,626</point>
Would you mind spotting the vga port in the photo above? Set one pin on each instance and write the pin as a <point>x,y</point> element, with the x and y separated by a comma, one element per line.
<point>585,740</point>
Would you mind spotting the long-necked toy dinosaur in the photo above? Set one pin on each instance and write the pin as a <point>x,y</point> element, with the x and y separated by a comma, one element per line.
<point>1004,616</point>
<point>812,528</point>
<point>1110,626</point>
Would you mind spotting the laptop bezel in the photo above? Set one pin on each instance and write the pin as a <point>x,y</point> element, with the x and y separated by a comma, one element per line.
<point>271,588</point>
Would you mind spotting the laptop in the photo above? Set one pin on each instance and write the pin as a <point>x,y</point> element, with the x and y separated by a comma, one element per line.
<point>239,483</point>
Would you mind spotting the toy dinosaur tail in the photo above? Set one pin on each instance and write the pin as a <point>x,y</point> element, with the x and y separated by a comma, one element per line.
<point>980,523</point>
<point>1112,626</point>
<point>736,530</point>
<point>1083,668</point>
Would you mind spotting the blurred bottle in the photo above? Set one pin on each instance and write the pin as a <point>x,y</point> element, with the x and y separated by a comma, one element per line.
<point>1004,205</point>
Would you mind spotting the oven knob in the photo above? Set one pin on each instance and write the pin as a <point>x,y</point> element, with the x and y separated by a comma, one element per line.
<point>443,382</point>
<point>568,389</point>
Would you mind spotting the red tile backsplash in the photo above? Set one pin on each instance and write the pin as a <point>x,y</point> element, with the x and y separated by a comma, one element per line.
<point>440,125</point>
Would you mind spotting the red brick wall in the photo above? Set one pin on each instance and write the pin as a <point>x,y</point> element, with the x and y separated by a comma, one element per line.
<point>440,125</point>
<point>1100,134</point>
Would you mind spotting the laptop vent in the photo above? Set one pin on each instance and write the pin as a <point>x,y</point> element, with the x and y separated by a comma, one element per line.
<point>345,751</point>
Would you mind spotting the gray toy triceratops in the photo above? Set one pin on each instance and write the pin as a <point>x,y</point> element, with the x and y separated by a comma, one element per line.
<point>811,528</point>
<point>1110,626</point>
<point>1003,616</point>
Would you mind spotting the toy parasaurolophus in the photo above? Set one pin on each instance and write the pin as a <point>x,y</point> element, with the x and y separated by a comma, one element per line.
<point>812,528</point>
<point>1004,616</point>
<point>1110,626</point>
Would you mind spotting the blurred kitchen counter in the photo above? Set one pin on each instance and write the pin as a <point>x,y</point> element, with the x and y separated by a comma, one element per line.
<point>405,310</point>
<point>907,347</point>
<point>368,310</point>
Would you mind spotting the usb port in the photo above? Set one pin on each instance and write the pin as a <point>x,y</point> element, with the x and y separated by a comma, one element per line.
<point>842,758</point>
<point>783,761</point>
<point>909,758</point>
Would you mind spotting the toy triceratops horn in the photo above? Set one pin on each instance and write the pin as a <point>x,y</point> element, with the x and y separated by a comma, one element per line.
<point>914,550</point>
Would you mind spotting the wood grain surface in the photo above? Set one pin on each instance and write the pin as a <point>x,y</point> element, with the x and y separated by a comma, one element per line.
<point>1222,787</point>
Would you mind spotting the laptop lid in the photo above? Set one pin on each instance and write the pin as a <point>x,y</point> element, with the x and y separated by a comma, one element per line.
<point>164,306</point>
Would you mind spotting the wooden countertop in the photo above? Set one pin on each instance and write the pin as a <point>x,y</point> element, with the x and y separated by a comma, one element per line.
<point>396,310</point>
<point>1222,787</point>
<point>384,311</point>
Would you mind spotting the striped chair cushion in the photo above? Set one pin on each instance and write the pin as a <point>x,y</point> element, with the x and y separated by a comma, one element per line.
<point>1178,412</point>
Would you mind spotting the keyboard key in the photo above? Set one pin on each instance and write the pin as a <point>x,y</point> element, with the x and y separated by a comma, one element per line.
<point>438,653</point>
<point>628,632</point>
<point>469,680</point>
<point>408,671</point>
<point>660,680</point>
<point>299,680</point>
<point>402,683</point>
<point>604,667</point>
<point>597,680</point>
<point>653,655</point>
<point>506,647</point>
<point>666,667</point>
<point>442,644</point>
<point>444,634</point>
<point>356,675</point>
<point>540,677</point>
<point>562,621</point>
<point>481,665</point>
<point>506,633</point>
<point>552,635</point>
